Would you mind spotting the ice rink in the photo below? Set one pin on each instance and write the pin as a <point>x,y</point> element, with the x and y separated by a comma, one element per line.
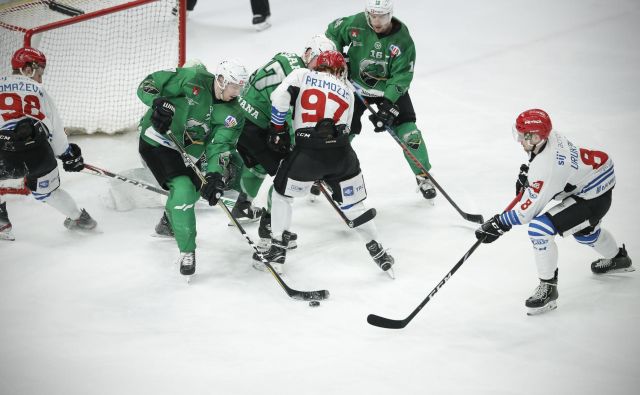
<point>107,312</point>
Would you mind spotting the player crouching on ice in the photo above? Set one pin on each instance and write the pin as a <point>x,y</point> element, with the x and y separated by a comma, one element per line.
<point>322,152</point>
<point>201,110</point>
<point>582,180</point>
<point>31,137</point>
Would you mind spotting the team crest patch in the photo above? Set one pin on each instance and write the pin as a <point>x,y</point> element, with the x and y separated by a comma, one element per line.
<point>395,50</point>
<point>348,191</point>
<point>230,121</point>
<point>537,186</point>
<point>195,91</point>
<point>354,33</point>
<point>43,184</point>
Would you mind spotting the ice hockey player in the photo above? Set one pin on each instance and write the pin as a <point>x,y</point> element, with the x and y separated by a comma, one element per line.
<point>256,145</point>
<point>201,109</point>
<point>31,137</point>
<point>381,57</point>
<point>582,180</point>
<point>323,110</point>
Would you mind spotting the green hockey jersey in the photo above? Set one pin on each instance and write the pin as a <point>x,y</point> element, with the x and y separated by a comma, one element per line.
<point>203,124</point>
<point>382,65</point>
<point>256,101</point>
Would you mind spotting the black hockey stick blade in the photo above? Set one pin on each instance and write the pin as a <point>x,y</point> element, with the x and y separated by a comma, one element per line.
<point>387,323</point>
<point>64,9</point>
<point>365,217</point>
<point>477,218</point>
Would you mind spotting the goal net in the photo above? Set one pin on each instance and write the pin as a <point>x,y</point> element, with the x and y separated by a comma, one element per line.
<point>98,51</point>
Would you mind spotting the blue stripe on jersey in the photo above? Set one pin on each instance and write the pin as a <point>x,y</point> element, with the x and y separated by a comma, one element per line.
<point>599,180</point>
<point>277,117</point>
<point>588,239</point>
<point>510,218</point>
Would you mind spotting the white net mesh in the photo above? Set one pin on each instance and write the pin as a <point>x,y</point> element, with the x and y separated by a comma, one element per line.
<point>94,66</point>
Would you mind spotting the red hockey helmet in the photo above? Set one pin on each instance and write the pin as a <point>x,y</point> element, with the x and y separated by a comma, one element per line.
<point>26,55</point>
<point>533,122</point>
<point>332,60</point>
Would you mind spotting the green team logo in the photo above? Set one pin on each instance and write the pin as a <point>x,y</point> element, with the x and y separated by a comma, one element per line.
<point>372,71</point>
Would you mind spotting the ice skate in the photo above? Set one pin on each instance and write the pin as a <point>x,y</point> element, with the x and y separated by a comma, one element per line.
<point>264,232</point>
<point>380,256</point>
<point>261,22</point>
<point>276,256</point>
<point>426,187</point>
<point>544,297</point>
<point>244,212</point>
<point>163,228</point>
<point>5,224</point>
<point>187,263</point>
<point>84,222</point>
<point>618,264</point>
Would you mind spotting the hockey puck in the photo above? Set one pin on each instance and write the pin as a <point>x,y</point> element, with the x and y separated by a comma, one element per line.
<point>314,303</point>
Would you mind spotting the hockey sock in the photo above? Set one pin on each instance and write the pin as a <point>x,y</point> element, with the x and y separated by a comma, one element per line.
<point>250,182</point>
<point>180,209</point>
<point>64,203</point>
<point>605,244</point>
<point>281,214</point>
<point>412,137</point>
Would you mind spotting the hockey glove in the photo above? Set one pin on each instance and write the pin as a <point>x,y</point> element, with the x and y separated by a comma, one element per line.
<point>522,181</point>
<point>387,113</point>
<point>213,189</point>
<point>279,139</point>
<point>72,158</point>
<point>162,115</point>
<point>492,229</point>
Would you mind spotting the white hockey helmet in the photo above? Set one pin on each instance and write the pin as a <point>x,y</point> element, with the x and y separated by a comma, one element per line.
<point>379,7</point>
<point>381,10</point>
<point>232,72</point>
<point>317,44</point>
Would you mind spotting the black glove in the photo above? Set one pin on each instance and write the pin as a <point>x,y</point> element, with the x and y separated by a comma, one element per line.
<point>162,115</point>
<point>491,230</point>
<point>213,189</point>
<point>279,139</point>
<point>522,181</point>
<point>72,158</point>
<point>387,113</point>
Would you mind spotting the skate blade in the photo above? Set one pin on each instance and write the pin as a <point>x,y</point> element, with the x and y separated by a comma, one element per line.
<point>159,236</point>
<point>432,202</point>
<point>541,310</point>
<point>7,236</point>
<point>189,277</point>
<point>244,221</point>
<point>262,26</point>
<point>391,273</point>
<point>622,270</point>
<point>263,268</point>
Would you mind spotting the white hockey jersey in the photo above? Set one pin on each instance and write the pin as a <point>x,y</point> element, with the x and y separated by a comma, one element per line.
<point>321,95</point>
<point>22,97</point>
<point>561,170</point>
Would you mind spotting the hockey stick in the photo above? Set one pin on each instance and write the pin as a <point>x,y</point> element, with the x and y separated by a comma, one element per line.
<point>295,294</point>
<point>94,170</point>
<point>106,173</point>
<point>352,223</point>
<point>469,217</point>
<point>388,323</point>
